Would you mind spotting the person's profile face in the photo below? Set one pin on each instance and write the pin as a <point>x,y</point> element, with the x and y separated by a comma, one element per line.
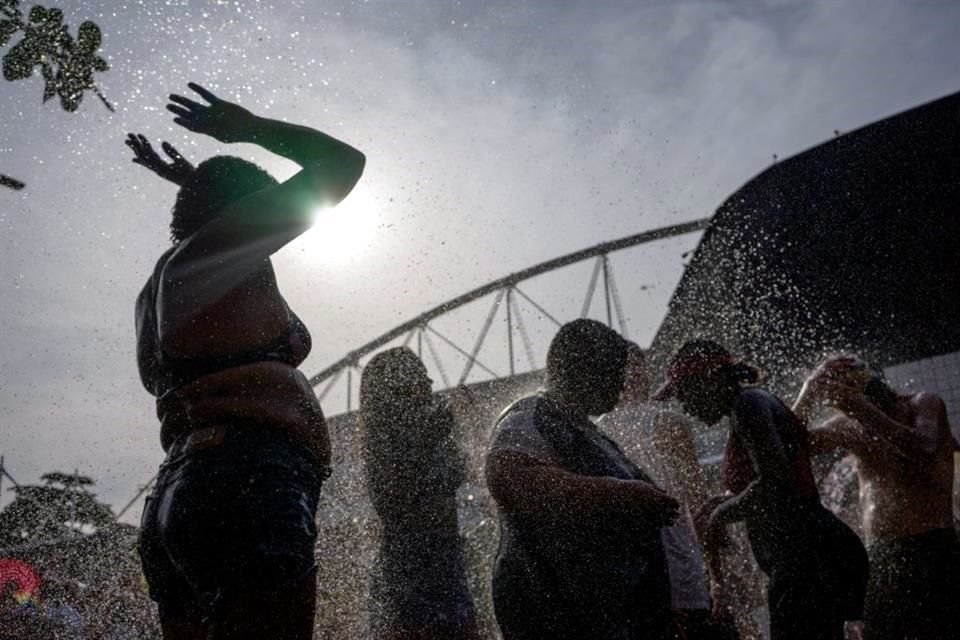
<point>704,397</point>
<point>606,391</point>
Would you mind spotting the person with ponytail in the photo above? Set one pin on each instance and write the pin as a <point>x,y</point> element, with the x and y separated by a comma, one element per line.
<point>815,565</point>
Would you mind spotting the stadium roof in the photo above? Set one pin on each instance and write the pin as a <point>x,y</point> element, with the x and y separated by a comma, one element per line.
<point>853,244</point>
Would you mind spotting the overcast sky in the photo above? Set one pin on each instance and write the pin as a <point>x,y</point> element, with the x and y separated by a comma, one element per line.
<point>498,135</point>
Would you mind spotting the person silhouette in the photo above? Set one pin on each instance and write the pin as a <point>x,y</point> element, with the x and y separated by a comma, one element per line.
<point>580,551</point>
<point>904,453</point>
<point>412,469</point>
<point>227,534</point>
<point>817,567</point>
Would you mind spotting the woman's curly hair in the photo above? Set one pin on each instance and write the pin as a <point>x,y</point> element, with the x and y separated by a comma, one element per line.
<point>214,184</point>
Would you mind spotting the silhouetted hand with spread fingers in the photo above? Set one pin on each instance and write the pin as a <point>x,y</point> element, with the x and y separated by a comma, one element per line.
<point>177,170</point>
<point>220,119</point>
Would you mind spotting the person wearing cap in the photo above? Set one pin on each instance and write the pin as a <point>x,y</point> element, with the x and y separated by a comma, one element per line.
<point>904,451</point>
<point>815,565</point>
<point>662,443</point>
<point>580,551</point>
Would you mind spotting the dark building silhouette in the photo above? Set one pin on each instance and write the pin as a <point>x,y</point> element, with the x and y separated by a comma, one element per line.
<point>853,244</point>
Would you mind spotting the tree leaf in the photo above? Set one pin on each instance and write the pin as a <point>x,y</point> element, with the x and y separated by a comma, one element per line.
<point>12,183</point>
<point>7,29</point>
<point>70,101</point>
<point>46,512</point>
<point>19,61</point>
<point>38,14</point>
<point>89,37</point>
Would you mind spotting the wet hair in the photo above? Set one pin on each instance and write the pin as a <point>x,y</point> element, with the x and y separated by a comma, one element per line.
<point>399,424</point>
<point>389,379</point>
<point>585,353</point>
<point>637,373</point>
<point>737,372</point>
<point>216,183</point>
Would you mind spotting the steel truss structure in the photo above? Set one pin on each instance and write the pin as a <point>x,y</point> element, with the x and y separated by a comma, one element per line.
<point>507,295</point>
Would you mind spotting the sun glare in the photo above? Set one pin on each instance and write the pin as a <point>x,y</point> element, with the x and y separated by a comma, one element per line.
<point>340,233</point>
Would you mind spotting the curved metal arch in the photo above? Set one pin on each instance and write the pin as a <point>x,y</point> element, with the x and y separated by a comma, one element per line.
<point>353,357</point>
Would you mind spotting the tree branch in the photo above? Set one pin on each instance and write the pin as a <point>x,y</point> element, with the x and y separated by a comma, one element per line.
<point>13,183</point>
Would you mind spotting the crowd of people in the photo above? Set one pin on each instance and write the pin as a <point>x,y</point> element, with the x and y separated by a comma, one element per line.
<point>564,489</point>
<point>594,543</point>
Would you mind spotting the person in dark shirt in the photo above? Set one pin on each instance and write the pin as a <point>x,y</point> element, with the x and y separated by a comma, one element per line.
<point>228,533</point>
<point>413,469</point>
<point>817,567</point>
<point>580,554</point>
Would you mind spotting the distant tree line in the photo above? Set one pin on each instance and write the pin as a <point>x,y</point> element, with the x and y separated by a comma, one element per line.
<point>63,505</point>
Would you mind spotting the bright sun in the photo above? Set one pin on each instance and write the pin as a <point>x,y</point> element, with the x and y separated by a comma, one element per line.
<point>340,233</point>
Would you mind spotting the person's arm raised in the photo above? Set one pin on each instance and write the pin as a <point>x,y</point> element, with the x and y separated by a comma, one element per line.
<point>222,255</point>
<point>917,442</point>
<point>331,168</point>
<point>839,432</point>
<point>178,170</point>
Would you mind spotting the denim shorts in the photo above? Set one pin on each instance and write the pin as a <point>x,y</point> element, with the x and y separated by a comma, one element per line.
<point>226,522</point>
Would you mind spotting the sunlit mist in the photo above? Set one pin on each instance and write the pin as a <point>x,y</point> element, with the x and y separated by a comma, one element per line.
<point>342,233</point>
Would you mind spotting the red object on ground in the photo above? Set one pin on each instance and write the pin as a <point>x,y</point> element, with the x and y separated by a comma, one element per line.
<point>21,574</point>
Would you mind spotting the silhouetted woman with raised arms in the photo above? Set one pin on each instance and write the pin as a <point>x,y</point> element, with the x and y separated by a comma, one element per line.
<point>413,469</point>
<point>227,535</point>
<point>817,567</point>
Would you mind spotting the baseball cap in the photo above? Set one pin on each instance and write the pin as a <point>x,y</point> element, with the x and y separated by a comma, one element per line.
<point>694,358</point>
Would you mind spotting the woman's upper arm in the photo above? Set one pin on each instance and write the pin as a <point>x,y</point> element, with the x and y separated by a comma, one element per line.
<point>249,230</point>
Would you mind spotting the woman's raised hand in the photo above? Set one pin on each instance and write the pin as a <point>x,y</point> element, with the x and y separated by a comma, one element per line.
<point>176,171</point>
<point>222,120</point>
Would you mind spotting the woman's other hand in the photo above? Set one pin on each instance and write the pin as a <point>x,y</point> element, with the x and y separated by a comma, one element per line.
<point>221,120</point>
<point>176,171</point>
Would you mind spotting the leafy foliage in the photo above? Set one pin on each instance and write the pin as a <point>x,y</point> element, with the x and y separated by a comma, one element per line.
<point>67,64</point>
<point>63,504</point>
